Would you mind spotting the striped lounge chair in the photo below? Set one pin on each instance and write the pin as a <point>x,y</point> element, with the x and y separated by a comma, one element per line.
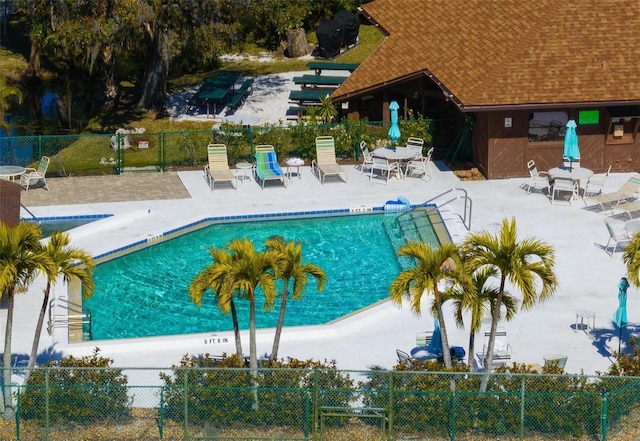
<point>325,163</point>
<point>621,199</point>
<point>267,167</point>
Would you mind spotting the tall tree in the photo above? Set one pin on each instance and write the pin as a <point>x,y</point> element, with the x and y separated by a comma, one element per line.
<point>432,265</point>
<point>212,277</point>
<point>22,257</point>
<point>478,304</point>
<point>248,270</point>
<point>525,264</point>
<point>174,24</point>
<point>293,269</point>
<point>6,94</point>
<point>70,263</point>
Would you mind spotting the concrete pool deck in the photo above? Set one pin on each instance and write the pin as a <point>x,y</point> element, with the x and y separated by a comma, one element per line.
<point>587,276</point>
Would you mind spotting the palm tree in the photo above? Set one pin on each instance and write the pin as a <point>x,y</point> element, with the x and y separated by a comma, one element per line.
<point>22,257</point>
<point>327,110</point>
<point>293,269</point>
<point>432,266</point>
<point>69,263</point>
<point>479,304</point>
<point>524,264</point>
<point>631,258</point>
<point>247,271</point>
<point>212,277</point>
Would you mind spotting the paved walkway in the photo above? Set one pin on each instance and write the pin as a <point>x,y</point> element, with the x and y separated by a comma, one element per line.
<point>588,276</point>
<point>106,188</point>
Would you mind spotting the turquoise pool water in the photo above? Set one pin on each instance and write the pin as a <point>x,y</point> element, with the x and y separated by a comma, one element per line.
<point>145,293</point>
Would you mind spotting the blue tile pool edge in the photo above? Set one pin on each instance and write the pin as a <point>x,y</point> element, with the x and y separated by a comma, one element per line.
<point>174,232</point>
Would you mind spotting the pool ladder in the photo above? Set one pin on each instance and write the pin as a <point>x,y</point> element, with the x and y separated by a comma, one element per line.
<point>73,316</point>
<point>409,218</point>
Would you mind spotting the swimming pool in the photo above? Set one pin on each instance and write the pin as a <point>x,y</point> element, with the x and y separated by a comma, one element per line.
<point>145,293</point>
<point>65,223</point>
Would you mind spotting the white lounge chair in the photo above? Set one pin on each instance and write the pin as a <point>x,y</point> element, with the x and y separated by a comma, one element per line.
<point>501,350</point>
<point>325,163</point>
<point>625,194</point>
<point>32,175</point>
<point>217,170</point>
<point>405,358</point>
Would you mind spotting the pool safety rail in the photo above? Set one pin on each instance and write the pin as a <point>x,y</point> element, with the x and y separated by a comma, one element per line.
<point>69,315</point>
<point>440,201</point>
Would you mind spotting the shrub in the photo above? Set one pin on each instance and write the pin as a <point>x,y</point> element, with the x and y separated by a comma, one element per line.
<point>79,390</point>
<point>221,392</point>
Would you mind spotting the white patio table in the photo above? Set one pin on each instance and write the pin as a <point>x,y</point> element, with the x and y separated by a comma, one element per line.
<point>574,173</point>
<point>397,154</point>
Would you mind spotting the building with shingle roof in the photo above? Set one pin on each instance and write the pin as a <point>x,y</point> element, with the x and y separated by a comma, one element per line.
<point>519,69</point>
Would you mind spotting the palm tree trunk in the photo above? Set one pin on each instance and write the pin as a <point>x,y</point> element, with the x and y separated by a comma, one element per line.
<point>472,343</point>
<point>6,359</point>
<point>236,330</point>
<point>495,318</point>
<point>253,353</point>
<point>446,355</point>
<point>36,337</point>
<point>276,338</point>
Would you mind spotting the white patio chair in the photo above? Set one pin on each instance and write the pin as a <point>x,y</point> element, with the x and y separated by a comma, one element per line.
<point>385,167</point>
<point>538,179</point>
<point>367,157</point>
<point>595,184</point>
<point>32,175</point>
<point>405,358</point>
<point>616,236</point>
<point>564,185</point>
<point>421,165</point>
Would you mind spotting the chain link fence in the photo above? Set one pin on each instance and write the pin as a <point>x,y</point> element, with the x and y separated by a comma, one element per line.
<point>322,404</point>
<point>135,151</point>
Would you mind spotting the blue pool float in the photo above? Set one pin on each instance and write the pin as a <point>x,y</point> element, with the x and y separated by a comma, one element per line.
<point>400,204</point>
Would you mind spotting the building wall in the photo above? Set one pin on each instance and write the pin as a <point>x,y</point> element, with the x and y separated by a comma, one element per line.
<point>503,152</point>
<point>9,202</point>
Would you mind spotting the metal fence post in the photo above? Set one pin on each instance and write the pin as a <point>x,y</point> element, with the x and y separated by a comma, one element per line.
<point>18,412</point>
<point>316,407</point>
<point>186,403</point>
<point>453,413</point>
<point>522,397</point>
<point>390,407</point>
<point>47,426</point>
<point>603,416</point>
<point>161,415</point>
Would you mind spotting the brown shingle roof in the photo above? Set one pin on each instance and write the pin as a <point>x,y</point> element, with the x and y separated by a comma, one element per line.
<point>507,52</point>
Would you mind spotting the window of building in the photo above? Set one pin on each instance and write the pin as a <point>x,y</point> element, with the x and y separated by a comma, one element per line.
<point>623,125</point>
<point>547,126</point>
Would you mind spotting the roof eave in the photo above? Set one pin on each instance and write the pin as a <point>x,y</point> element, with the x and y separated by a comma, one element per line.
<point>368,90</point>
<point>539,106</point>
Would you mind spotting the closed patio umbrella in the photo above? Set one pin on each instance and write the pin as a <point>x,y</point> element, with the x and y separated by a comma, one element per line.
<point>435,347</point>
<point>571,148</point>
<point>394,130</point>
<point>620,317</point>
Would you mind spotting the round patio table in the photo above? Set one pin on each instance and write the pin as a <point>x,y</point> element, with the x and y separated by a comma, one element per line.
<point>573,173</point>
<point>397,154</point>
<point>10,172</point>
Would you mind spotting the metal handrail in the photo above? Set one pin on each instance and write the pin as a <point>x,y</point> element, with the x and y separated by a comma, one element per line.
<point>32,215</point>
<point>74,311</point>
<point>468,207</point>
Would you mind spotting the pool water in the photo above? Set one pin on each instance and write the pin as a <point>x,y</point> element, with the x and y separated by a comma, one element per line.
<point>145,293</point>
<point>48,226</point>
